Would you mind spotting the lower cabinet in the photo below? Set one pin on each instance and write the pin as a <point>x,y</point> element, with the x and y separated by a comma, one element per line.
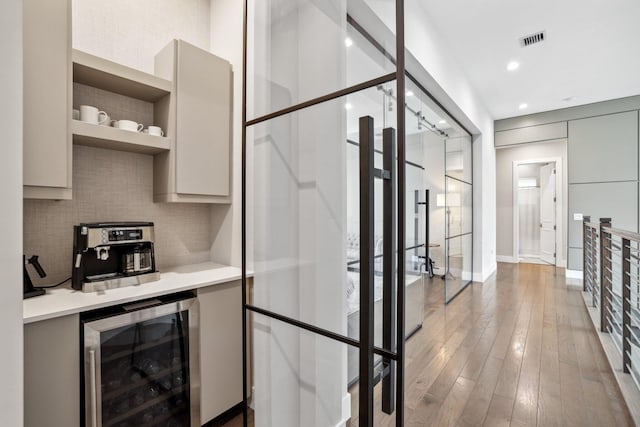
<point>220,348</point>
<point>52,372</point>
<point>52,389</point>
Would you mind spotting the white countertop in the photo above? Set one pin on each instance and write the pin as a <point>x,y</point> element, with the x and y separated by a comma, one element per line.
<point>63,301</point>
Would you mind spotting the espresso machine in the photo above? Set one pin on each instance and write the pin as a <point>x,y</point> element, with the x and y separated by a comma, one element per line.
<point>113,255</point>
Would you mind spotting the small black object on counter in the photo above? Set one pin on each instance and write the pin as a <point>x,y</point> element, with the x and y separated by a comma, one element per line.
<point>27,285</point>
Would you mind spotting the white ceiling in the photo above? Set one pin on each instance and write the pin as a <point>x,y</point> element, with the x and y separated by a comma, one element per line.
<point>591,50</point>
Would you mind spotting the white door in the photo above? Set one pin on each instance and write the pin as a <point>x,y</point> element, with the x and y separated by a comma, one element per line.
<point>548,213</point>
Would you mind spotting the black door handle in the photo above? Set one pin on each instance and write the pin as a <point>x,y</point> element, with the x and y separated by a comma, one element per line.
<point>389,267</point>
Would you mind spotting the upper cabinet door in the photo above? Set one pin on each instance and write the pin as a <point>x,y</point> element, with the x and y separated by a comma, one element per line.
<point>203,122</point>
<point>47,102</point>
<point>197,117</point>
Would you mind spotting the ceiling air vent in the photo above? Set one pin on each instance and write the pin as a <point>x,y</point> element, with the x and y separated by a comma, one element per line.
<point>533,38</point>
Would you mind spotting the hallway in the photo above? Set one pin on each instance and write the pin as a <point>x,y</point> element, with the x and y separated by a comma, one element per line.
<point>518,350</point>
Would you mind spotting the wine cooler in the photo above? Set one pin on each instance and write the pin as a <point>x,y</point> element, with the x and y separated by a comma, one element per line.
<point>141,364</point>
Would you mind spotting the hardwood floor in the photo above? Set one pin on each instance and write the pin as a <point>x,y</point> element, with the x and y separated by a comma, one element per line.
<point>517,350</point>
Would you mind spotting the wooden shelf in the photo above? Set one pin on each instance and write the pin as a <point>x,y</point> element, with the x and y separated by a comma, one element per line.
<point>117,139</point>
<point>104,74</point>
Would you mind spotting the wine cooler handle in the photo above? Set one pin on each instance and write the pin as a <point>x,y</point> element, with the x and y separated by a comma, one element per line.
<point>93,388</point>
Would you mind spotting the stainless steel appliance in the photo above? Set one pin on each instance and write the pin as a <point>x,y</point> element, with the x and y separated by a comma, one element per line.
<point>113,255</point>
<point>141,364</point>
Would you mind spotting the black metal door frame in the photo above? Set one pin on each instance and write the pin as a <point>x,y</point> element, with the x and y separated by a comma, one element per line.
<point>366,342</point>
<point>393,340</point>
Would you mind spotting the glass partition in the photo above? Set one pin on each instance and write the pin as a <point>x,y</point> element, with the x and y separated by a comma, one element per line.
<point>300,50</point>
<point>459,215</point>
<point>344,171</point>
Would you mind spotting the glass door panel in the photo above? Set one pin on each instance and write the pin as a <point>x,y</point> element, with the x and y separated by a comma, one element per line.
<point>307,221</point>
<point>304,49</point>
<point>299,377</point>
<point>306,212</point>
<point>459,215</point>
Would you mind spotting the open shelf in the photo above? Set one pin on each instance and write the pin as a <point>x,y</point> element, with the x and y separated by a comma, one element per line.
<point>113,77</point>
<point>117,139</point>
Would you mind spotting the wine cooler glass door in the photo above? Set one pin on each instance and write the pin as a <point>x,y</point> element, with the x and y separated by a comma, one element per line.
<point>140,368</point>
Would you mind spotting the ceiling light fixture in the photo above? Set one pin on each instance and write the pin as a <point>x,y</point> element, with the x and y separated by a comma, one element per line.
<point>348,106</point>
<point>348,42</point>
<point>513,65</point>
<point>522,106</point>
<point>409,93</point>
<point>442,122</point>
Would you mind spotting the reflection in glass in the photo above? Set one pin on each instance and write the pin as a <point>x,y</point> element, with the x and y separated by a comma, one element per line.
<point>459,273</point>
<point>299,50</point>
<point>306,211</point>
<point>145,373</point>
<point>300,378</point>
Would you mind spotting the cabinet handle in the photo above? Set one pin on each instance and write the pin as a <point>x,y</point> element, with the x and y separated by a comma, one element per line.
<point>93,388</point>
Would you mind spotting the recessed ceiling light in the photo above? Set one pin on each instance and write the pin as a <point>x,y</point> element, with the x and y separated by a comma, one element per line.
<point>409,93</point>
<point>443,122</point>
<point>522,106</point>
<point>348,106</point>
<point>348,42</point>
<point>513,65</point>
<point>569,98</point>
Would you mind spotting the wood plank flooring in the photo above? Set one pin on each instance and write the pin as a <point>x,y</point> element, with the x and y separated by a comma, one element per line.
<point>517,350</point>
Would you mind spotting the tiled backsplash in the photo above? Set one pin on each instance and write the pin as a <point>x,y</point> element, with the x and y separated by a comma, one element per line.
<point>111,185</point>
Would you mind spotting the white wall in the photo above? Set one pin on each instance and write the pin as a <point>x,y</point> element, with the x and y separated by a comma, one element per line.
<point>450,86</point>
<point>226,41</point>
<point>432,50</point>
<point>504,188</point>
<point>11,362</point>
<point>132,32</point>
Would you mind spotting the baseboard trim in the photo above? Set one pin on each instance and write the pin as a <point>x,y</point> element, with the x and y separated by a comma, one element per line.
<point>506,258</point>
<point>573,274</point>
<point>346,410</point>
<point>483,276</point>
<point>226,416</point>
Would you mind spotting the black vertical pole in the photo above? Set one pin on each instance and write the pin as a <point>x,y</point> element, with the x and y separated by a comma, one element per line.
<point>366,271</point>
<point>244,218</point>
<point>426,226</point>
<point>389,266</point>
<point>400,82</point>
<point>605,276</point>
<point>585,239</point>
<point>626,305</point>
<point>416,229</point>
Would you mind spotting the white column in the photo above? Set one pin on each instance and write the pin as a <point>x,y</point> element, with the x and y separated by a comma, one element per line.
<point>11,356</point>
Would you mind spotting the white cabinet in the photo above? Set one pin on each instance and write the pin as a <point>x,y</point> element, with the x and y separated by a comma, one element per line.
<point>197,116</point>
<point>52,372</point>
<point>47,99</point>
<point>220,348</point>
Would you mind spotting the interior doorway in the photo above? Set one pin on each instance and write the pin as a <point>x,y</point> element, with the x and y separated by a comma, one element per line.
<point>536,202</point>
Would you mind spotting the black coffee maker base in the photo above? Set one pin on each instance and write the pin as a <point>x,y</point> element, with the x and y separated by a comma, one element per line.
<point>33,293</point>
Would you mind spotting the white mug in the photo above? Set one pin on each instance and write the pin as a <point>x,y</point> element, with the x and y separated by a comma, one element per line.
<point>92,115</point>
<point>106,121</point>
<point>155,130</point>
<point>129,125</point>
<point>75,114</point>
